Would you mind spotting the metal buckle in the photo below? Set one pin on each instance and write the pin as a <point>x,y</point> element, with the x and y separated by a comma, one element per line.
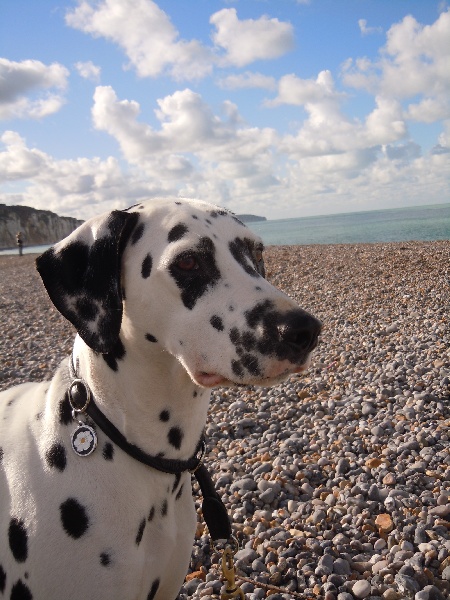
<point>72,402</point>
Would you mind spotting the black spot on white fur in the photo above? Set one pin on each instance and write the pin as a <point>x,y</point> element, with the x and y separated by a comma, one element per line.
<point>237,368</point>
<point>65,412</point>
<point>137,234</point>
<point>164,416</point>
<point>146,267</point>
<point>151,514</point>
<point>105,559</point>
<point>250,362</point>
<point>177,232</point>
<point>176,482</point>
<point>151,338</point>
<point>2,579</point>
<point>117,353</point>
<point>140,532</point>
<point>108,451</point>
<point>164,508</point>
<point>175,437</point>
<point>241,250</point>
<point>153,590</point>
<point>56,457</point>
<point>20,591</point>
<point>74,518</point>
<point>217,323</point>
<point>18,539</point>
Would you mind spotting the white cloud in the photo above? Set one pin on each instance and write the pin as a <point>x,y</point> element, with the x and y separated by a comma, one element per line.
<point>296,91</point>
<point>248,80</point>
<point>190,135</point>
<point>146,35</point>
<point>88,70</point>
<point>331,158</point>
<point>414,64</point>
<point>153,44</point>
<point>187,124</point>
<point>25,88</point>
<point>365,30</point>
<point>80,187</point>
<point>19,162</point>
<point>251,39</point>
<point>327,131</point>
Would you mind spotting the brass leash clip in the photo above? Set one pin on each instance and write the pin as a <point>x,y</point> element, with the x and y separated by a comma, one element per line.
<point>228,570</point>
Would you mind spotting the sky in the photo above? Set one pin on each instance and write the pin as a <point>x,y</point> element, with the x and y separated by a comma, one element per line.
<point>281,108</point>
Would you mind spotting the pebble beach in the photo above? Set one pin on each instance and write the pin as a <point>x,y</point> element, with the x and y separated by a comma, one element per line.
<point>337,481</point>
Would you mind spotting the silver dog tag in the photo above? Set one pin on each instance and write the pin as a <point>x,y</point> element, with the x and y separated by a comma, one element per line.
<point>84,440</point>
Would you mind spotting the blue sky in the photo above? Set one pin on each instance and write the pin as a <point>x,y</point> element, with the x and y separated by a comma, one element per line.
<point>283,108</point>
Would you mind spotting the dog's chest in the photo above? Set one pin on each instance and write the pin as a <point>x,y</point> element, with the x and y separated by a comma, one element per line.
<point>103,521</point>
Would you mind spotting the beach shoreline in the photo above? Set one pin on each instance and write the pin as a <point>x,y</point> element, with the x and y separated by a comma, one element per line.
<point>365,432</point>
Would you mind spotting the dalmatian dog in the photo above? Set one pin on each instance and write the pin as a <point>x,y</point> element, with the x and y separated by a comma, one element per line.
<point>168,300</point>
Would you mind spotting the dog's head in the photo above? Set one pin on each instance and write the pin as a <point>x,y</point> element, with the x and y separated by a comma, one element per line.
<point>184,276</point>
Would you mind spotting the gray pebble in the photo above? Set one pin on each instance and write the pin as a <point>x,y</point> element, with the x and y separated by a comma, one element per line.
<point>361,589</point>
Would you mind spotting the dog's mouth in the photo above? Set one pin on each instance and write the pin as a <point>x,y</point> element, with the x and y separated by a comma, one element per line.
<point>209,380</point>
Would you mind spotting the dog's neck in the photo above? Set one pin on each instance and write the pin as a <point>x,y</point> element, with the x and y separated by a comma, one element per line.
<point>150,398</point>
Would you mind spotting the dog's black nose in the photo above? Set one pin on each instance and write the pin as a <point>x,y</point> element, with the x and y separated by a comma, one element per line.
<point>299,331</point>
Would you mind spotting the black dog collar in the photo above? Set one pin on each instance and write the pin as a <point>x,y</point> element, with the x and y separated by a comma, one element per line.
<point>82,401</point>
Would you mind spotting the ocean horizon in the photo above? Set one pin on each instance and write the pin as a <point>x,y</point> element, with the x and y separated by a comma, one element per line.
<point>413,223</point>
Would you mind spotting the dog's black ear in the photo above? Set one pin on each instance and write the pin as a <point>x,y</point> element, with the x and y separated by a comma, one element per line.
<point>82,277</point>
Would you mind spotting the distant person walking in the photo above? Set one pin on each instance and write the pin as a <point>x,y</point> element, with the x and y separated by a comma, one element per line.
<point>19,242</point>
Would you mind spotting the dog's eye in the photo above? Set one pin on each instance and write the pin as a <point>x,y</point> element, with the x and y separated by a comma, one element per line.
<point>187,263</point>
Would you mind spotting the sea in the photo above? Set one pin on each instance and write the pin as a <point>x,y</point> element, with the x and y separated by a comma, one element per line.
<point>419,223</point>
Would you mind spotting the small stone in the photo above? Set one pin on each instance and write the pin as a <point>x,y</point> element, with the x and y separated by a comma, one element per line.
<point>268,496</point>
<point>373,463</point>
<point>361,589</point>
<point>440,511</point>
<point>342,467</point>
<point>246,555</point>
<point>379,545</point>
<point>325,565</point>
<point>389,479</point>
<point>196,575</point>
<point>391,594</point>
<point>244,484</point>
<point>341,566</point>
<point>384,523</point>
<point>406,584</point>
